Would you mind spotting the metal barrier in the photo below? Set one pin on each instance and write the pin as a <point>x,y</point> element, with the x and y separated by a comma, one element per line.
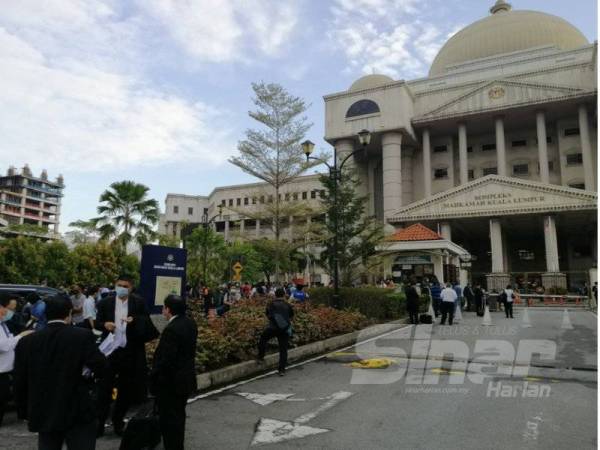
<point>533,300</point>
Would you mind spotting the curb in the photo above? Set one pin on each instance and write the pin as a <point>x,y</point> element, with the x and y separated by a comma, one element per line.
<point>247,369</point>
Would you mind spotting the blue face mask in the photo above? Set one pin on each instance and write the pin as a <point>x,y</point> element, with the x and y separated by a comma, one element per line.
<point>122,292</point>
<point>9,315</point>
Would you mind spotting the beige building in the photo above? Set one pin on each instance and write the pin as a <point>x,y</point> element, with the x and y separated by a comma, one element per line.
<point>29,200</point>
<point>496,149</point>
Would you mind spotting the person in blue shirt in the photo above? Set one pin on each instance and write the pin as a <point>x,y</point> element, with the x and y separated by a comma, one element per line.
<point>436,299</point>
<point>299,295</point>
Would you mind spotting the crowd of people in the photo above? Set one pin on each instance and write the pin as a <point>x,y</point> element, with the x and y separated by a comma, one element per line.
<point>78,354</point>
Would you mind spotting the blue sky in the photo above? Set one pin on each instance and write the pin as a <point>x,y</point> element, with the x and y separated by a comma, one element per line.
<point>157,91</point>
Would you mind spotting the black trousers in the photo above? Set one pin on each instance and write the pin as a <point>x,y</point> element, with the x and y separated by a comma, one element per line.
<point>413,315</point>
<point>448,311</point>
<point>121,378</point>
<point>282,341</point>
<point>4,393</point>
<point>508,309</point>
<point>171,417</point>
<point>80,437</point>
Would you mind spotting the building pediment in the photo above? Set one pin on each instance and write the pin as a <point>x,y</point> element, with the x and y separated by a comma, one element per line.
<point>495,195</point>
<point>501,94</point>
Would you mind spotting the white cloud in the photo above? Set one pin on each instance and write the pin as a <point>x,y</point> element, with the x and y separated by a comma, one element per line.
<point>225,30</point>
<point>73,96</point>
<point>385,36</point>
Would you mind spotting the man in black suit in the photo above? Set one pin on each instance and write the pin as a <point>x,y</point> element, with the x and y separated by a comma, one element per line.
<point>125,315</point>
<point>280,315</point>
<point>173,375</point>
<point>53,380</point>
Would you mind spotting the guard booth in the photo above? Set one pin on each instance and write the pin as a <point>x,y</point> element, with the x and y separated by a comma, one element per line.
<point>162,273</point>
<point>421,254</point>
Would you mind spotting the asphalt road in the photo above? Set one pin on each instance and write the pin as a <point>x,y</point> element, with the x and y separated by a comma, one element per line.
<point>446,387</point>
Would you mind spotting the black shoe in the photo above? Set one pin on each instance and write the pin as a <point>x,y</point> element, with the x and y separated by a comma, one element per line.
<point>281,373</point>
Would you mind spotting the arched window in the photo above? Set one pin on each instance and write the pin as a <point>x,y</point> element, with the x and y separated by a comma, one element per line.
<point>362,107</point>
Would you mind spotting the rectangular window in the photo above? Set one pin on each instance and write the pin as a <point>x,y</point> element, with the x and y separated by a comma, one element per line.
<point>206,211</point>
<point>313,194</point>
<point>519,143</point>
<point>254,200</point>
<point>322,193</point>
<point>520,169</point>
<point>270,199</point>
<point>223,202</point>
<point>571,131</point>
<point>230,202</point>
<point>287,197</point>
<point>488,147</point>
<point>439,174</point>
<point>176,209</point>
<point>295,196</point>
<point>490,171</point>
<point>238,201</point>
<point>190,211</point>
<point>471,174</point>
<point>574,159</point>
<point>470,149</point>
<point>262,199</point>
<point>440,148</point>
<point>245,200</point>
<point>304,196</point>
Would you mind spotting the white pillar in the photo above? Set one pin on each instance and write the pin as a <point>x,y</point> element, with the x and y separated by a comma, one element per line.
<point>426,163</point>
<point>500,146</point>
<point>242,227</point>
<point>291,228</point>
<point>407,176</point>
<point>497,248</point>
<point>446,231</point>
<point>540,119</point>
<point>343,148</point>
<point>257,228</point>
<point>226,234</point>
<point>462,153</point>
<point>586,148</point>
<point>371,171</point>
<point>551,242</point>
<point>392,173</point>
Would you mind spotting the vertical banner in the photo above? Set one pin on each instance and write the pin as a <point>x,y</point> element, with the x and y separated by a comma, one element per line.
<point>162,273</point>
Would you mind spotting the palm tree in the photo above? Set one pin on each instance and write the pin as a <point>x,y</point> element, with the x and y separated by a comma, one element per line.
<point>126,214</point>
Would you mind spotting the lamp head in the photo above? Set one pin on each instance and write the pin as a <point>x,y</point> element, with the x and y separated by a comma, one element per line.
<point>364,137</point>
<point>307,148</point>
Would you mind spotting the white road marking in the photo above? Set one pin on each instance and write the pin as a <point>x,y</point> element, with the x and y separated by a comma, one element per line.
<point>264,399</point>
<point>270,431</point>
<point>525,322</point>
<point>272,372</point>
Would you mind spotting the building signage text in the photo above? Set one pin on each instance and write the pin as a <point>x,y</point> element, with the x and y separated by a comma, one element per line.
<point>497,199</point>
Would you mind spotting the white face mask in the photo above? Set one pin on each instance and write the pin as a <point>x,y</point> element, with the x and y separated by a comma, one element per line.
<point>121,292</point>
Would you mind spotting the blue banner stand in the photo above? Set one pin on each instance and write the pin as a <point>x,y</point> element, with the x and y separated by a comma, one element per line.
<point>162,273</point>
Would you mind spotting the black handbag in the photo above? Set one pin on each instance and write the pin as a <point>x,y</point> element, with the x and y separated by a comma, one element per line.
<point>142,432</point>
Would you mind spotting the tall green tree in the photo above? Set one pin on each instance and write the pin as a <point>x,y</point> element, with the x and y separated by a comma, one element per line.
<point>206,256</point>
<point>273,153</point>
<point>358,234</point>
<point>127,214</point>
<point>84,232</point>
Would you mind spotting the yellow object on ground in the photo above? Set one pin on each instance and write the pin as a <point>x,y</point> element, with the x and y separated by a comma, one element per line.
<point>375,363</point>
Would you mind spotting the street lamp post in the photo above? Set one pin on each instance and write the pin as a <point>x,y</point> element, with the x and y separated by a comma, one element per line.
<point>335,174</point>
<point>206,222</point>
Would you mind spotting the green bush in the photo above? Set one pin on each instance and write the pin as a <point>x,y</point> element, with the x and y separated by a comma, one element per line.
<point>375,303</point>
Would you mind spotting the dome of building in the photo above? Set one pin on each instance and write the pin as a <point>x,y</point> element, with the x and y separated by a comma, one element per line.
<point>506,31</point>
<point>370,81</point>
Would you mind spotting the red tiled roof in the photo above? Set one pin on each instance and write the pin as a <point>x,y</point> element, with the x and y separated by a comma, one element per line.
<point>416,232</point>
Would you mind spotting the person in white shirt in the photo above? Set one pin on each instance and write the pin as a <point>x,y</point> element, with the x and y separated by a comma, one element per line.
<point>77,299</point>
<point>89,312</point>
<point>8,342</point>
<point>448,296</point>
<point>509,297</point>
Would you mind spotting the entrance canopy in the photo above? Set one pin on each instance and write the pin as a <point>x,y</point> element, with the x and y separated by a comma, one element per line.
<point>416,238</point>
<point>494,196</point>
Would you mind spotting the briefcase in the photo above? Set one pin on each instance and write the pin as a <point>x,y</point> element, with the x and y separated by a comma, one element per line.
<point>142,432</point>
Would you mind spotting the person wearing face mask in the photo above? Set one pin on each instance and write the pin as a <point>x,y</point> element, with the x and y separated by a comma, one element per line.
<point>8,342</point>
<point>173,374</point>
<point>123,314</point>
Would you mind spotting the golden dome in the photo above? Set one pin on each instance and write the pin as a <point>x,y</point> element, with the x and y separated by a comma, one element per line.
<point>506,31</point>
<point>370,81</point>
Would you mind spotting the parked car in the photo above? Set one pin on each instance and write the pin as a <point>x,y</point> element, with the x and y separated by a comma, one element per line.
<point>25,294</point>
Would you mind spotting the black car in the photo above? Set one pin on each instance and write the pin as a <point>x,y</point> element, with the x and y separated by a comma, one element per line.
<point>24,293</point>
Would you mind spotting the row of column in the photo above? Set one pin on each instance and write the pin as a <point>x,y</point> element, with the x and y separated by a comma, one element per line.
<point>586,150</point>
